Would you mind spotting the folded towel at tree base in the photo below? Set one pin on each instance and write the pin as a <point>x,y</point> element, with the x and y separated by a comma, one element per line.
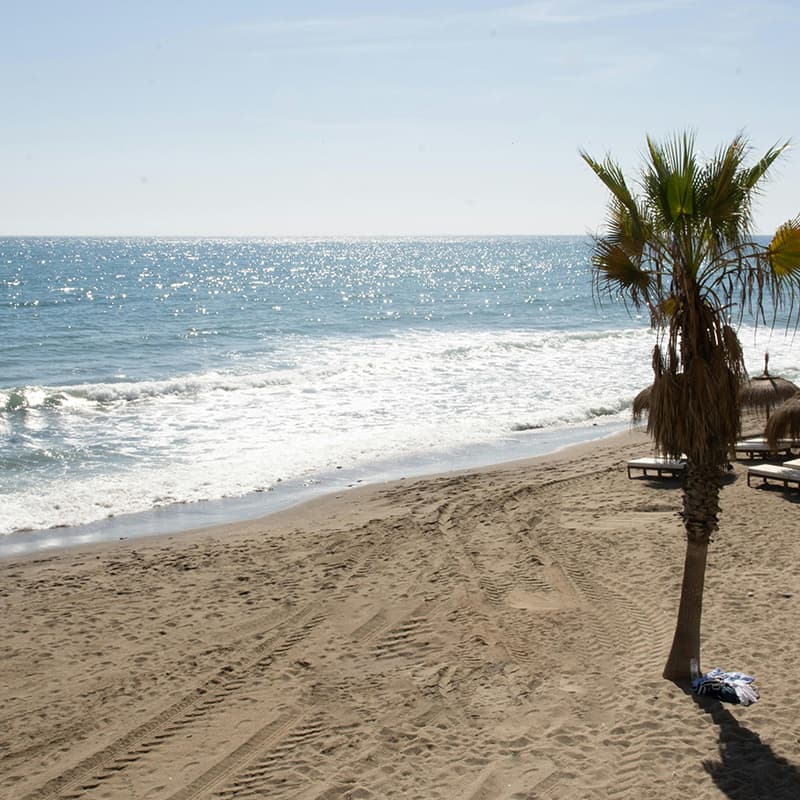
<point>729,687</point>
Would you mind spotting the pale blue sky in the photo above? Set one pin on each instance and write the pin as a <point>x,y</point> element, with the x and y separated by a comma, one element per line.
<point>369,118</point>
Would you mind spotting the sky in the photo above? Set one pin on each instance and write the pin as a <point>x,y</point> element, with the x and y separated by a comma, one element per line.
<point>358,118</point>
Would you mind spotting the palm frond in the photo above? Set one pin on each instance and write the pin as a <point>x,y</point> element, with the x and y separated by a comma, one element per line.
<point>669,179</point>
<point>610,173</point>
<point>729,188</point>
<point>783,251</point>
<point>782,256</point>
<point>723,194</point>
<point>757,173</point>
<point>619,273</point>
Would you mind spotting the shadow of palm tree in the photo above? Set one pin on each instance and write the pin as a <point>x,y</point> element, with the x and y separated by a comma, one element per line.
<point>748,769</point>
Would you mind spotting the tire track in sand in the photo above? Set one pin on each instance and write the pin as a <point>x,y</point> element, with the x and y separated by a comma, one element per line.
<point>193,708</point>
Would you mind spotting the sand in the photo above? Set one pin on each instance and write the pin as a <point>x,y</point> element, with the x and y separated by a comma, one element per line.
<point>497,633</point>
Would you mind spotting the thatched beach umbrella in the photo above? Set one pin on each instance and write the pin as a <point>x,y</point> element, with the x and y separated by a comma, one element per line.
<point>784,422</point>
<point>641,403</point>
<point>765,391</point>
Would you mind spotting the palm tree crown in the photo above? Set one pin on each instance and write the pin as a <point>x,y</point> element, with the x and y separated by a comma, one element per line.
<point>683,249</point>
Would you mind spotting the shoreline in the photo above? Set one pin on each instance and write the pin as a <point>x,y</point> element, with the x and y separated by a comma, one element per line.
<point>180,518</point>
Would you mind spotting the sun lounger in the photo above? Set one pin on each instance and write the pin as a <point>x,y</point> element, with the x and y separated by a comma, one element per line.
<point>772,472</point>
<point>658,464</point>
<point>793,464</point>
<point>760,447</point>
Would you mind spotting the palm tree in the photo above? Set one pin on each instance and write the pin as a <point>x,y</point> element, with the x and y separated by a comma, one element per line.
<point>682,248</point>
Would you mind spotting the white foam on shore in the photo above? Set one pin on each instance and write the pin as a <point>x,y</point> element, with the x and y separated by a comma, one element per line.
<point>184,516</point>
<point>344,403</point>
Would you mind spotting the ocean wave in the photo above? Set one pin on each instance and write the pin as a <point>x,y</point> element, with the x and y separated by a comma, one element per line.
<point>519,427</point>
<point>574,413</point>
<point>38,397</point>
<point>577,346</point>
<point>609,411</point>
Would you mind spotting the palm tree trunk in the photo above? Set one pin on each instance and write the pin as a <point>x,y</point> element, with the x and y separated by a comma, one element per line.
<point>701,489</point>
<point>686,642</point>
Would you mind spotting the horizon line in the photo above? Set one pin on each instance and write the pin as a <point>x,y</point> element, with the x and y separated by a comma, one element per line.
<point>281,236</point>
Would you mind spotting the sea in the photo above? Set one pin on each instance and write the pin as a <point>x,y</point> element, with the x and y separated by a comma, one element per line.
<point>153,385</point>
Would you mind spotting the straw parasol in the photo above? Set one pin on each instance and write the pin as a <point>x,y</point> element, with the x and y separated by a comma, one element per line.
<point>641,403</point>
<point>766,391</point>
<point>784,422</point>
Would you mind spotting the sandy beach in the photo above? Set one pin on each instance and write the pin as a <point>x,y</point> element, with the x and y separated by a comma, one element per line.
<point>494,634</point>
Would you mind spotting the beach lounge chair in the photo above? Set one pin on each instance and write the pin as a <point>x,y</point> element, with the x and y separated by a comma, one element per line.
<point>658,464</point>
<point>759,447</point>
<point>772,472</point>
